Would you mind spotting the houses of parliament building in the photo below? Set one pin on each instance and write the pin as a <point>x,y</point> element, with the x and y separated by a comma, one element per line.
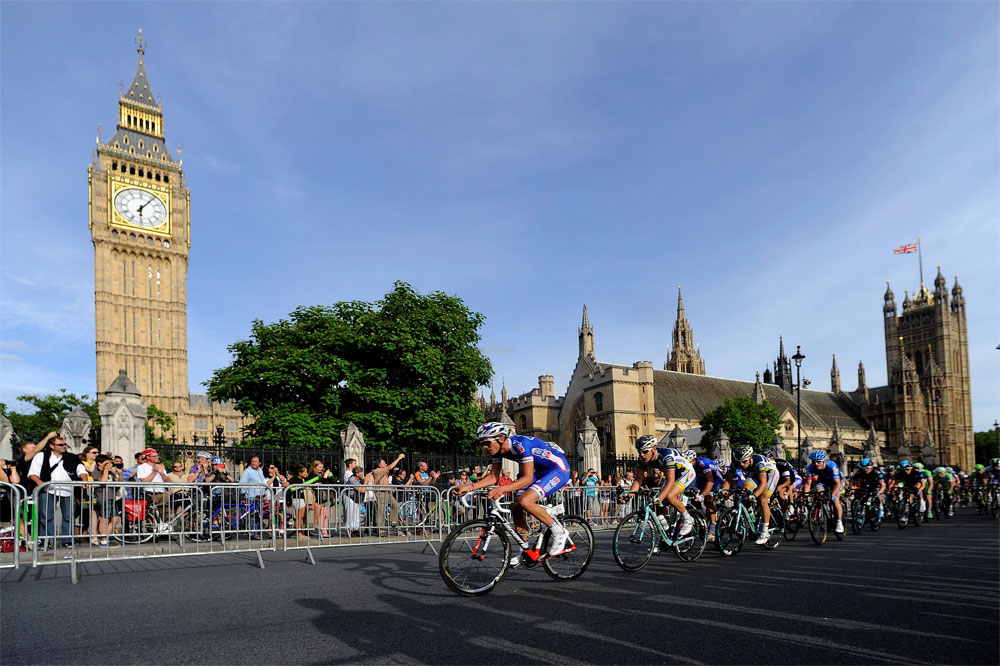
<point>140,224</point>
<point>926,405</point>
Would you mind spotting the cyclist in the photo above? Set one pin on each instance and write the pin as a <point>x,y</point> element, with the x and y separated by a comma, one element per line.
<point>908,478</point>
<point>708,477</point>
<point>786,478</point>
<point>544,470</point>
<point>948,482</point>
<point>678,475</point>
<point>764,473</point>
<point>868,477</point>
<point>826,475</point>
<point>927,491</point>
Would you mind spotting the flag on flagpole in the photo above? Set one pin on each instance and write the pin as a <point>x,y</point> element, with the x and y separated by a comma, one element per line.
<point>909,248</point>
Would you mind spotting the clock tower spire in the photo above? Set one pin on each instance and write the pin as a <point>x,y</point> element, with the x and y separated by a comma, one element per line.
<point>139,225</point>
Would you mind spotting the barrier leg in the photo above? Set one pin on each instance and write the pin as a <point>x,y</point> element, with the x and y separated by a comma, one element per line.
<point>309,556</point>
<point>428,544</point>
<point>74,571</point>
<point>260,560</point>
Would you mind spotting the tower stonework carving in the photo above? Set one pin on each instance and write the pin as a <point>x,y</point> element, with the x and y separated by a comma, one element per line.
<point>139,217</point>
<point>928,396</point>
<point>684,356</point>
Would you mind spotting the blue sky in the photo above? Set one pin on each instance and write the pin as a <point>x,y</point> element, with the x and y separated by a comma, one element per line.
<point>529,158</point>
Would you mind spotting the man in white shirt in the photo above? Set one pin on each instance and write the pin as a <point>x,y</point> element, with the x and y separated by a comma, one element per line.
<point>56,464</point>
<point>153,471</point>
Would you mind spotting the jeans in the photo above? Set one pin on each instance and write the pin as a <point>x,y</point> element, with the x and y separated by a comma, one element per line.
<point>47,516</point>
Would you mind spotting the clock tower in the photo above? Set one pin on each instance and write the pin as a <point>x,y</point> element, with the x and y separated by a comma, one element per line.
<point>140,227</point>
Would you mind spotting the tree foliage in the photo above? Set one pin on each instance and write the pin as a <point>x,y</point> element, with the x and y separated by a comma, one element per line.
<point>158,425</point>
<point>987,446</point>
<point>403,369</point>
<point>743,421</point>
<point>48,412</point>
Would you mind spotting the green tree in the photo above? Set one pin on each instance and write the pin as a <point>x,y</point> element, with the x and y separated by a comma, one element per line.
<point>158,425</point>
<point>47,413</point>
<point>986,446</point>
<point>403,369</point>
<point>744,421</point>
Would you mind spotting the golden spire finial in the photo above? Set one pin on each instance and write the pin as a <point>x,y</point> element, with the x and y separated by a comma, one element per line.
<point>140,43</point>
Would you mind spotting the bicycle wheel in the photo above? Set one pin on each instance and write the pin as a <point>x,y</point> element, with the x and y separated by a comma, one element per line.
<point>690,546</point>
<point>902,514</point>
<point>776,527</point>
<point>874,522</point>
<point>131,532</point>
<point>634,540</point>
<point>474,558</point>
<point>792,523</point>
<point>858,514</point>
<point>918,514</point>
<point>729,532</point>
<point>580,549</point>
<point>818,526</point>
<point>411,513</point>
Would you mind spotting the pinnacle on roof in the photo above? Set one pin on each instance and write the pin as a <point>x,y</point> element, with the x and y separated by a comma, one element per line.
<point>585,325</point>
<point>888,292</point>
<point>140,91</point>
<point>122,384</point>
<point>680,303</point>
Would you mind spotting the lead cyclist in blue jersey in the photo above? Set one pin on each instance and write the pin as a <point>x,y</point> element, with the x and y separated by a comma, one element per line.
<point>544,470</point>
<point>826,475</point>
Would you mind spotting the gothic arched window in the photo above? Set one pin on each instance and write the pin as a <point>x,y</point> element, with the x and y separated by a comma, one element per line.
<point>599,401</point>
<point>633,434</point>
<point>524,423</point>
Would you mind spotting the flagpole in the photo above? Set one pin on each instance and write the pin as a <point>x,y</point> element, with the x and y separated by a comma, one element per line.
<point>920,258</point>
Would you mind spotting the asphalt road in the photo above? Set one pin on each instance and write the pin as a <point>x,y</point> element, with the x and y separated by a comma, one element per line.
<point>922,596</point>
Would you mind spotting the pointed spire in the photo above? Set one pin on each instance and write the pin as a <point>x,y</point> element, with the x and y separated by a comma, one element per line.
<point>140,91</point>
<point>781,347</point>
<point>586,337</point>
<point>861,374</point>
<point>889,296</point>
<point>939,282</point>
<point>680,303</point>
<point>503,392</point>
<point>835,376</point>
<point>758,391</point>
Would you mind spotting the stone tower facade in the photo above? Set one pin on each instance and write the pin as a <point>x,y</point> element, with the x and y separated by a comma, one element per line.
<point>927,365</point>
<point>684,356</point>
<point>140,225</point>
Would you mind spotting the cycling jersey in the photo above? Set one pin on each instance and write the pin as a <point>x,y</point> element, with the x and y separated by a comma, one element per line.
<point>739,479</point>
<point>672,459</point>
<point>763,465</point>
<point>945,481</point>
<point>706,465</point>
<point>825,478</point>
<point>785,469</point>
<point>928,480</point>
<point>869,480</point>
<point>551,468</point>
<point>907,479</point>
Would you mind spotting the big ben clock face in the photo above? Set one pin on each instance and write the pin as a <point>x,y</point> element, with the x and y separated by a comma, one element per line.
<point>140,208</point>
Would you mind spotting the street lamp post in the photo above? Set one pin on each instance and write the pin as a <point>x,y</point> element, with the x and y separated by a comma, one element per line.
<point>219,439</point>
<point>996,430</point>
<point>798,358</point>
<point>937,414</point>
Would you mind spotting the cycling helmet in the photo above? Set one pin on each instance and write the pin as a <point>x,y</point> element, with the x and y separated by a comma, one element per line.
<point>492,429</point>
<point>904,464</point>
<point>689,454</point>
<point>949,470</point>
<point>769,452</point>
<point>919,466</point>
<point>721,462</point>
<point>743,452</point>
<point>979,468</point>
<point>203,454</point>
<point>216,460</point>
<point>817,455</point>
<point>940,470</point>
<point>995,462</point>
<point>865,462</point>
<point>646,443</point>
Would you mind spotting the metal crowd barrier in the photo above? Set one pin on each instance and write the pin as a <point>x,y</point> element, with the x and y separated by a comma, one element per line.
<point>325,515</point>
<point>12,524</point>
<point>80,522</point>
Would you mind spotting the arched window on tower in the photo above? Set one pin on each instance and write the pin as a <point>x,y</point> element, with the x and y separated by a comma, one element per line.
<point>633,434</point>
<point>524,423</point>
<point>683,339</point>
<point>599,401</point>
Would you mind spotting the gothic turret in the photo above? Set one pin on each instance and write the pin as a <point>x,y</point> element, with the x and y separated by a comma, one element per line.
<point>586,337</point>
<point>940,288</point>
<point>684,356</point>
<point>758,391</point>
<point>889,308</point>
<point>835,376</point>
<point>957,299</point>
<point>783,368</point>
<point>862,385</point>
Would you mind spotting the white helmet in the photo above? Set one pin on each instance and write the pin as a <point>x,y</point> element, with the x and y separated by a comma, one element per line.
<point>492,429</point>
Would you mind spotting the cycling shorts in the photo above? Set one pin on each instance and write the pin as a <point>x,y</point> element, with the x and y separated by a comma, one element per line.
<point>683,480</point>
<point>548,483</point>
<point>820,486</point>
<point>770,482</point>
